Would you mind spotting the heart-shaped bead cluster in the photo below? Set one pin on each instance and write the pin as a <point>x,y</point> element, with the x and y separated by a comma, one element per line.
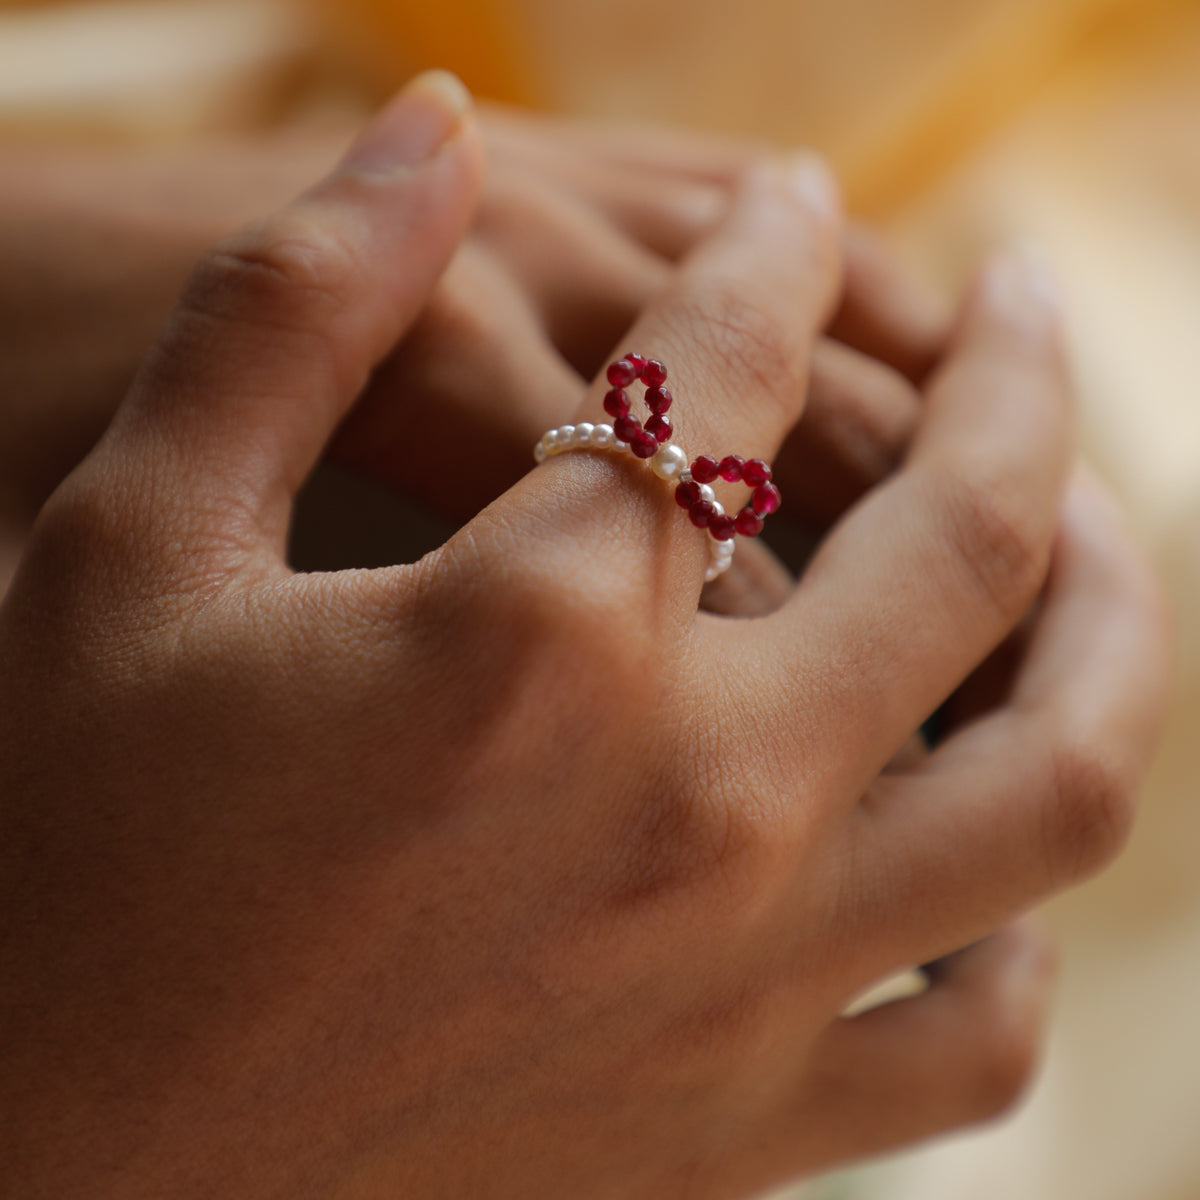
<point>693,491</point>
<point>764,497</point>
<point>644,441</point>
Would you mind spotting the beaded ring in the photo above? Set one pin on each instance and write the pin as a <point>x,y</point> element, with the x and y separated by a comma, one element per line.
<point>668,461</point>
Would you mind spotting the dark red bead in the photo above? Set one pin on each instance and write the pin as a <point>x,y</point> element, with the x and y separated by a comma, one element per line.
<point>755,472</point>
<point>747,523</point>
<point>643,444</point>
<point>658,399</point>
<point>654,373</point>
<point>705,469</point>
<point>766,499</point>
<point>659,426</point>
<point>636,361</point>
<point>627,428</point>
<point>621,373</point>
<point>722,528</point>
<point>686,494</point>
<point>731,468</point>
<point>701,513</point>
<point>616,403</point>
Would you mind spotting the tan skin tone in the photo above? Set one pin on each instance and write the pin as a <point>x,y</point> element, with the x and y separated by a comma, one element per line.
<point>510,873</point>
<point>577,226</point>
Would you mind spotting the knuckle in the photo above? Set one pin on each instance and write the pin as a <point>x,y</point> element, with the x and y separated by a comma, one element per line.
<point>287,271</point>
<point>1090,812</point>
<point>82,524</point>
<point>1000,537</point>
<point>88,549</point>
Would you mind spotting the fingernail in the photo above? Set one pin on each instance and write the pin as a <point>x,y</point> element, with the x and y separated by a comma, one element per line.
<point>414,126</point>
<point>811,181</point>
<point>1020,276</point>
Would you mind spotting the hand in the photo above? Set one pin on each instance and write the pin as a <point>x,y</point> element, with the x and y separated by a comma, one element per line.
<point>508,873</point>
<point>98,243</point>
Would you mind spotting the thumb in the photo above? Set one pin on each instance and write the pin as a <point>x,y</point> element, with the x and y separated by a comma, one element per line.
<point>279,326</point>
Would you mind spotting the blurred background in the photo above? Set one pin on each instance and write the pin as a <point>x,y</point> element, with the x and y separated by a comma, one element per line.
<point>956,124</point>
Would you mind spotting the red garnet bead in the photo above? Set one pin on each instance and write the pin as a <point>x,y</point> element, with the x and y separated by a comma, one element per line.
<point>722,528</point>
<point>654,373</point>
<point>686,494</point>
<point>748,523</point>
<point>731,468</point>
<point>643,444</point>
<point>627,428</point>
<point>766,500</point>
<point>636,361</point>
<point>705,469</point>
<point>755,472</point>
<point>621,373</point>
<point>701,513</point>
<point>658,399</point>
<point>660,427</point>
<point>616,403</point>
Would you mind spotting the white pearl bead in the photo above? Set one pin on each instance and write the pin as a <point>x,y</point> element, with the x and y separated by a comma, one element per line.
<point>706,493</point>
<point>668,462</point>
<point>602,435</point>
<point>583,433</point>
<point>566,435</point>
<point>540,452</point>
<point>718,509</point>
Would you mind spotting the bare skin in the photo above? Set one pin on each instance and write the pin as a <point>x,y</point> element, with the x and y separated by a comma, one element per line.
<point>576,228</point>
<point>510,872</point>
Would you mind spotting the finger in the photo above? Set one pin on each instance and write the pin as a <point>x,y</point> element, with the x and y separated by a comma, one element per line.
<point>664,189</point>
<point>756,584</point>
<point>1041,792</point>
<point>925,577</point>
<point>886,312</point>
<point>859,419</point>
<point>280,326</point>
<point>669,187</point>
<point>478,315</point>
<point>667,216</point>
<point>585,280</point>
<point>665,211</point>
<point>738,321</point>
<point>655,151</point>
<point>961,1052</point>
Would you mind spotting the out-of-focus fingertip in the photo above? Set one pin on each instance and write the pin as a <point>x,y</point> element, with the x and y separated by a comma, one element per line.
<point>1019,287</point>
<point>811,181</point>
<point>413,127</point>
<point>798,178</point>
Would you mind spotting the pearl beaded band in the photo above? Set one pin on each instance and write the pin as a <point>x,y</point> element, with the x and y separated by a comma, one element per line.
<point>668,461</point>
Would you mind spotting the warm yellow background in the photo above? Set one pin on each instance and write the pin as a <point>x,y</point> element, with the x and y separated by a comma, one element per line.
<point>957,124</point>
